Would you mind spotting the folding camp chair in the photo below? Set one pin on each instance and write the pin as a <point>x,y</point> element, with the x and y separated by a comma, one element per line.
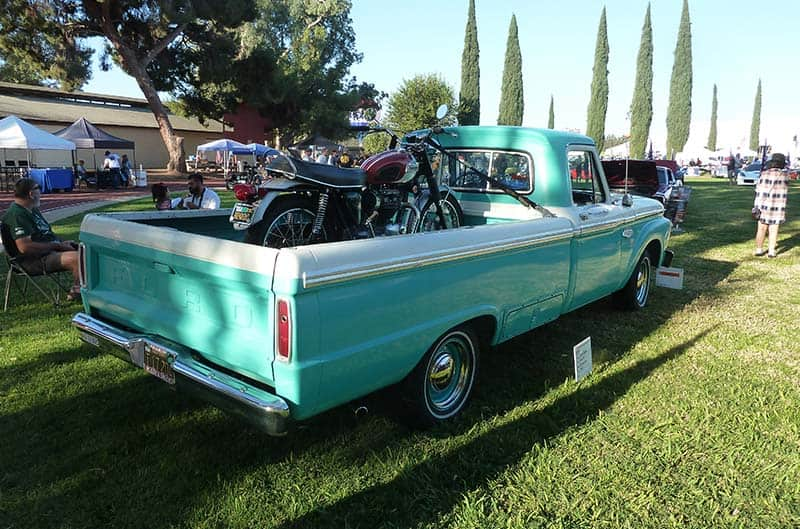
<point>16,269</point>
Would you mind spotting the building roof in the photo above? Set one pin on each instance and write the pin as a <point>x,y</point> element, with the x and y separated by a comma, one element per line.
<point>37,103</point>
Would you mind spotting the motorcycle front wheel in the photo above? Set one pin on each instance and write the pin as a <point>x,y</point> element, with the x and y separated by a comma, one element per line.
<point>288,222</point>
<point>429,218</point>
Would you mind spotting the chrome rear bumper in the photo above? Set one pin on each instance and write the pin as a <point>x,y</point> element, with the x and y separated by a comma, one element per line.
<point>267,411</point>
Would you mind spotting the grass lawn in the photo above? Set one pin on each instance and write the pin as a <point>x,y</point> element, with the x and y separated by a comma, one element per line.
<point>691,418</point>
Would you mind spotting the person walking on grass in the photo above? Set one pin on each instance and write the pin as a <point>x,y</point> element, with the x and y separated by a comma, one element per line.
<point>772,191</point>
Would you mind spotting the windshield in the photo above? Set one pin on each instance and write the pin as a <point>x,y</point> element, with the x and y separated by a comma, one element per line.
<point>753,167</point>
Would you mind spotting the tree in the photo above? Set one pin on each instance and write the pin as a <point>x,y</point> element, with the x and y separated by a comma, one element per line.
<point>40,46</point>
<point>755,127</point>
<point>679,110</point>
<point>292,64</point>
<point>598,104</point>
<point>414,105</point>
<point>512,105</point>
<point>712,133</point>
<point>469,100</point>
<point>642,104</point>
<point>551,121</point>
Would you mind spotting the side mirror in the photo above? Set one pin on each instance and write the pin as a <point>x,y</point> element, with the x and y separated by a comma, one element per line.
<point>441,112</point>
<point>627,200</point>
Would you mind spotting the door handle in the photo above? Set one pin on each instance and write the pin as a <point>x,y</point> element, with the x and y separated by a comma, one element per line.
<point>627,233</point>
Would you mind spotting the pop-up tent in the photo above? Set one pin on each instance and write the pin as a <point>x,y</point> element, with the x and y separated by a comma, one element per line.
<point>86,135</point>
<point>261,150</point>
<point>226,146</point>
<point>16,133</point>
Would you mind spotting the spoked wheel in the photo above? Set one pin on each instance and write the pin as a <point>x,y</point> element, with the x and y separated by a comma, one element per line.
<point>288,222</point>
<point>441,384</point>
<point>429,218</point>
<point>634,294</point>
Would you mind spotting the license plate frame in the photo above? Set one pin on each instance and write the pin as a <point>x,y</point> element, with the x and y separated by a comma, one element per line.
<point>156,361</point>
<point>242,213</point>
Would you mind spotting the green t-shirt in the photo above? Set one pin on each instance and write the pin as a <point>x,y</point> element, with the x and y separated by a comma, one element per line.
<point>25,223</point>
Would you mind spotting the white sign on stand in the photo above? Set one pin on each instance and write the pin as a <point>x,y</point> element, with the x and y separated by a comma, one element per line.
<point>669,277</point>
<point>582,355</point>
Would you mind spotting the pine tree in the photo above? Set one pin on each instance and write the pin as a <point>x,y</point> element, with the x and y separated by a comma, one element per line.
<point>551,122</point>
<point>512,105</point>
<point>679,111</point>
<point>598,104</point>
<point>712,133</point>
<point>642,104</point>
<point>755,128</point>
<point>469,104</point>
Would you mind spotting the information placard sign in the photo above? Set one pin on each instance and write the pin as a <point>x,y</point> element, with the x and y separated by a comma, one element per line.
<point>669,277</point>
<point>582,355</point>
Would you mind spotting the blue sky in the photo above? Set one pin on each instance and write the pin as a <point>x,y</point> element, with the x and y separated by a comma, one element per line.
<point>734,43</point>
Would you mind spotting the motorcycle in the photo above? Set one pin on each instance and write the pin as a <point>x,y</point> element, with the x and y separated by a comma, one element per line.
<point>308,203</point>
<point>250,176</point>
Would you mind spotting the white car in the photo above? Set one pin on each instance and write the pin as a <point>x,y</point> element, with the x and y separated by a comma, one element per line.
<point>749,175</point>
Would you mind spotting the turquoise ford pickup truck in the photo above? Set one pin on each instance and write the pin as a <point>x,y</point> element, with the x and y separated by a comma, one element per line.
<point>279,335</point>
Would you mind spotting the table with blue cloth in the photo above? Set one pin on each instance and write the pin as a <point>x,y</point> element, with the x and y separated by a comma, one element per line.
<point>50,179</point>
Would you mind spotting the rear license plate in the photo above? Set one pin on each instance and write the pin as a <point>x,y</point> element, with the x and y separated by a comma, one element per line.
<point>156,362</point>
<point>242,213</point>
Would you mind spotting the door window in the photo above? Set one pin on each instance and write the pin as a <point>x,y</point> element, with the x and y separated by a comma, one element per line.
<point>587,188</point>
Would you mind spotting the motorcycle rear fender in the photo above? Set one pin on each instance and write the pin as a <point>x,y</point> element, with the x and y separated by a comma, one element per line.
<point>276,188</point>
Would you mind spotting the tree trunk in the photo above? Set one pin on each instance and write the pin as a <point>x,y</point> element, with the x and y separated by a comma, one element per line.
<point>173,143</point>
<point>137,67</point>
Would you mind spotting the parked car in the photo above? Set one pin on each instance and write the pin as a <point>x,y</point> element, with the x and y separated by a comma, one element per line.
<point>749,175</point>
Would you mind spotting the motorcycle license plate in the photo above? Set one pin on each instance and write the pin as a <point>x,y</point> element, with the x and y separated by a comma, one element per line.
<point>156,362</point>
<point>242,213</point>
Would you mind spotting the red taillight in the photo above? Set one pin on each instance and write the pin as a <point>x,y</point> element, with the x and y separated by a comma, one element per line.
<point>284,330</point>
<point>244,192</point>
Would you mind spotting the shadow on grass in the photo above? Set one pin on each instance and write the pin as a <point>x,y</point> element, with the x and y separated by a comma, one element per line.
<point>435,486</point>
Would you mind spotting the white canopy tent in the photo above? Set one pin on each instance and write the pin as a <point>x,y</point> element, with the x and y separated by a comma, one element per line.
<point>226,147</point>
<point>16,133</point>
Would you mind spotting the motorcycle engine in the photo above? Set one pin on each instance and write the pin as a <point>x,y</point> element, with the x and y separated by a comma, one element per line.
<point>384,201</point>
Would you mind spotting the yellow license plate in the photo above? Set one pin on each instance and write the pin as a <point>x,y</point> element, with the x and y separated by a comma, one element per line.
<point>242,213</point>
<point>156,362</point>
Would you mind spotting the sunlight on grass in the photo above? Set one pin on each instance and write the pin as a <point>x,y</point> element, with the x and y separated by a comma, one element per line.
<point>691,418</point>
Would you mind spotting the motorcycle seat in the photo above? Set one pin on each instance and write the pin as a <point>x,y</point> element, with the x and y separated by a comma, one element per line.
<point>330,175</point>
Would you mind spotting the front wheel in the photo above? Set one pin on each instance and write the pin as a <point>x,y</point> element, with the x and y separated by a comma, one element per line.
<point>440,385</point>
<point>429,218</point>
<point>633,296</point>
<point>287,222</point>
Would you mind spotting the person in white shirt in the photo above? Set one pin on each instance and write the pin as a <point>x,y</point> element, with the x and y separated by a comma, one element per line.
<point>200,196</point>
<point>323,157</point>
<point>111,164</point>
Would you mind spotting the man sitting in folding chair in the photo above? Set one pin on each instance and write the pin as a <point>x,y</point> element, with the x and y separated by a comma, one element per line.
<point>40,251</point>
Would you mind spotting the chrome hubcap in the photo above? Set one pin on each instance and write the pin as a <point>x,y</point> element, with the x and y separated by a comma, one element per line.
<point>643,281</point>
<point>450,372</point>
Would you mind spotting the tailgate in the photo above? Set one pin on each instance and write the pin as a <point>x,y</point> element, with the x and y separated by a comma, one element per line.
<point>208,294</point>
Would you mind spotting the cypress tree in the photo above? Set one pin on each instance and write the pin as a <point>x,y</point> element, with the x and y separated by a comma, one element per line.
<point>551,122</point>
<point>679,111</point>
<point>755,127</point>
<point>511,102</point>
<point>598,104</point>
<point>712,133</point>
<point>642,104</point>
<point>469,103</point>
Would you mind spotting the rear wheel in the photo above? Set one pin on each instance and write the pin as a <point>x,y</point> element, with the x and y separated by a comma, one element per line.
<point>288,222</point>
<point>429,218</point>
<point>633,296</point>
<point>441,384</point>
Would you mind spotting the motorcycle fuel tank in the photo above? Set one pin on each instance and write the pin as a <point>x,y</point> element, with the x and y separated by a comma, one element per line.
<point>390,167</point>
